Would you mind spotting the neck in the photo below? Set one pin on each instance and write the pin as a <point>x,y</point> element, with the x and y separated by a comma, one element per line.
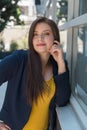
<point>46,67</point>
<point>44,60</point>
<point>47,70</point>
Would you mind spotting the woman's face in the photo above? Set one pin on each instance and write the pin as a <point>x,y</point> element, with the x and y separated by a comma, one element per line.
<point>43,38</point>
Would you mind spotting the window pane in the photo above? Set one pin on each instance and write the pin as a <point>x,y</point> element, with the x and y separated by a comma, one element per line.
<point>82,7</point>
<point>81,66</point>
<point>62,11</point>
<point>63,40</point>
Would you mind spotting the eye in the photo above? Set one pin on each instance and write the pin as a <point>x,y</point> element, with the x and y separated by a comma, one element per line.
<point>35,35</point>
<point>46,34</point>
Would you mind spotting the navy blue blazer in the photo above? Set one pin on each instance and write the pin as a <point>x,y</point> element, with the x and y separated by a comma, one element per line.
<point>15,111</point>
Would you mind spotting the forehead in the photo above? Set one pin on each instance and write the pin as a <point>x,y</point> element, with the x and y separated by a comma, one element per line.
<point>43,26</point>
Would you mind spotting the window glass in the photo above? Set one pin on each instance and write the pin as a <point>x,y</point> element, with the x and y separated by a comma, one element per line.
<point>63,40</point>
<point>62,11</point>
<point>82,7</point>
<point>81,65</point>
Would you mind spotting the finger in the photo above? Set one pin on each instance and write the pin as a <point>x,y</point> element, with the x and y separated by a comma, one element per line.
<point>56,46</point>
<point>8,128</point>
<point>56,42</point>
<point>53,48</point>
<point>3,126</point>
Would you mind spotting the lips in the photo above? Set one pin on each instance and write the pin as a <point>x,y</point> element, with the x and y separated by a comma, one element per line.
<point>41,44</point>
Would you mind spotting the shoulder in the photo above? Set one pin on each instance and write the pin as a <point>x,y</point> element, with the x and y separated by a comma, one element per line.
<point>15,57</point>
<point>20,54</point>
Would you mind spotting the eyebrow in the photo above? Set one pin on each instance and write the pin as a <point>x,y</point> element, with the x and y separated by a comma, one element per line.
<point>44,30</point>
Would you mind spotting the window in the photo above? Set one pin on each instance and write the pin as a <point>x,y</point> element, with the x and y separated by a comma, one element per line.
<point>82,7</point>
<point>81,65</point>
<point>63,41</point>
<point>76,49</point>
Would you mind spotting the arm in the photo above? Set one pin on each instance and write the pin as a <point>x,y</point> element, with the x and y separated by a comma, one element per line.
<point>9,67</point>
<point>63,90</point>
<point>62,75</point>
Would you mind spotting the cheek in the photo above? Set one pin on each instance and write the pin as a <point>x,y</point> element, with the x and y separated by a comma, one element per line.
<point>33,43</point>
<point>50,42</point>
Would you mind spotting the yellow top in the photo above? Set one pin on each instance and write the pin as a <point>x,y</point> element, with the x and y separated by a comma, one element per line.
<point>39,117</point>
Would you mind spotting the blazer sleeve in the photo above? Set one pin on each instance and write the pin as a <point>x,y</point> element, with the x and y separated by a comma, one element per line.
<point>63,90</point>
<point>9,67</point>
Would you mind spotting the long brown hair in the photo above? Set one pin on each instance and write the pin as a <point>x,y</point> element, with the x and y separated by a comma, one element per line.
<point>35,80</point>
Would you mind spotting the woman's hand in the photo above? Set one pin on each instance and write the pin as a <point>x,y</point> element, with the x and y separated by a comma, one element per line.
<point>57,53</point>
<point>3,126</point>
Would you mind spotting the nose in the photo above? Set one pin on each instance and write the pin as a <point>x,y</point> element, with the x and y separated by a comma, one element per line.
<point>40,37</point>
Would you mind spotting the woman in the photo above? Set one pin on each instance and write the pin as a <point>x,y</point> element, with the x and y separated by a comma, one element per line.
<point>38,80</point>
